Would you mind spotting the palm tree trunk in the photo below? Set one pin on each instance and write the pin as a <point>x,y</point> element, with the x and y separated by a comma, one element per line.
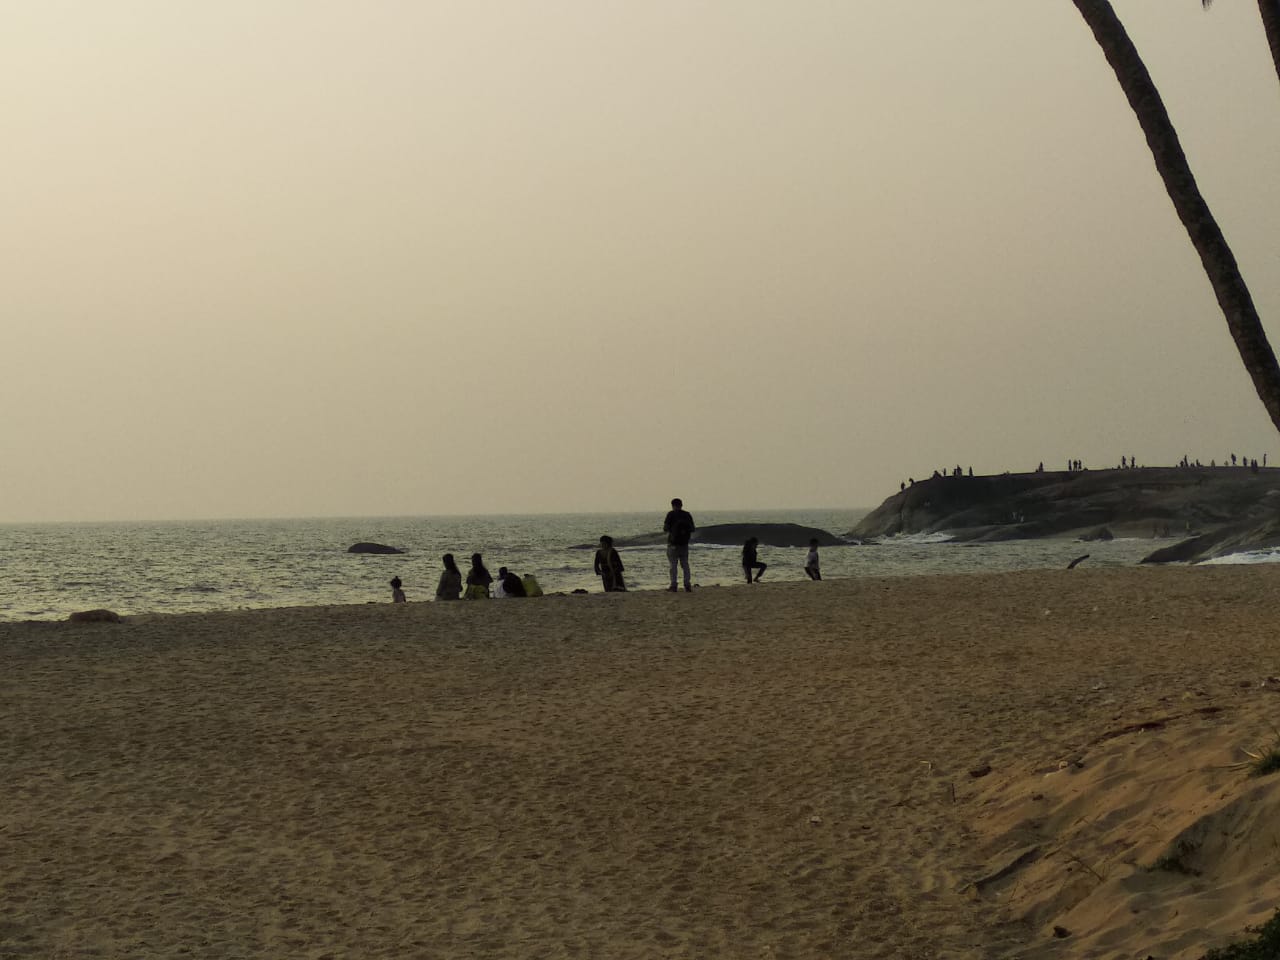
<point>1270,10</point>
<point>1217,258</point>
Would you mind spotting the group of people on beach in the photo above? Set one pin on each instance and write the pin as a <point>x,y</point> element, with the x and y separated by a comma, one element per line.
<point>678,526</point>
<point>479,583</point>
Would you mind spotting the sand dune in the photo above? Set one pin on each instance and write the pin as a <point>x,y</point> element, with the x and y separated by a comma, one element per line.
<point>789,770</point>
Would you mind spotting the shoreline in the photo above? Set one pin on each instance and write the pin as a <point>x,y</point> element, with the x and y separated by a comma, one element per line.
<point>775,583</point>
<point>785,771</point>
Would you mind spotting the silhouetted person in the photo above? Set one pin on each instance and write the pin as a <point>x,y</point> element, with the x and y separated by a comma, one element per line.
<point>812,565</point>
<point>609,567</point>
<point>397,592</point>
<point>751,562</point>
<point>478,579</point>
<point>450,585</point>
<point>679,527</point>
<point>512,585</point>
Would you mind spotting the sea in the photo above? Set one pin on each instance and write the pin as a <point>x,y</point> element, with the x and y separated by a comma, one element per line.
<point>49,570</point>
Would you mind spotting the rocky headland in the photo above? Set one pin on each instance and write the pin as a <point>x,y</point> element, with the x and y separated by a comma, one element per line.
<point>1213,510</point>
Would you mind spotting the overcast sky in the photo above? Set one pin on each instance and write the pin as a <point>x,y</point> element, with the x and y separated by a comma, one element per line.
<point>323,257</point>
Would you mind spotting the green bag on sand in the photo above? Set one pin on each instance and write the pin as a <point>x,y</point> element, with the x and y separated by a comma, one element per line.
<point>531,586</point>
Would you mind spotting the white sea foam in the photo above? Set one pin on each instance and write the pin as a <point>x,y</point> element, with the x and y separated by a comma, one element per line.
<point>914,539</point>
<point>1246,556</point>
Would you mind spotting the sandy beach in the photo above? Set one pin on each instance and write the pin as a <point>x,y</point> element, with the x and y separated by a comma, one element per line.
<point>1031,765</point>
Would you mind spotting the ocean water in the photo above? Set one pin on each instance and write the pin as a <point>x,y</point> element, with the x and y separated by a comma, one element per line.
<point>50,570</point>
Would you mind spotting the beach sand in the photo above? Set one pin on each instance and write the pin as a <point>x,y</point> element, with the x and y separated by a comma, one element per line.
<point>784,770</point>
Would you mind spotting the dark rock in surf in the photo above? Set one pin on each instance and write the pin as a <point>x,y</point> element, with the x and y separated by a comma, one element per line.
<point>372,548</point>
<point>769,535</point>
<point>1100,534</point>
<point>1256,533</point>
<point>733,535</point>
<point>96,616</point>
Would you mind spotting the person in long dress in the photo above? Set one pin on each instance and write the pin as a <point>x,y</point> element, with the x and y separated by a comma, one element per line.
<point>478,579</point>
<point>450,586</point>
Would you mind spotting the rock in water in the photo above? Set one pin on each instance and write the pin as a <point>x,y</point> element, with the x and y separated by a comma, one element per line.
<point>733,534</point>
<point>95,616</point>
<point>1026,506</point>
<point>372,548</point>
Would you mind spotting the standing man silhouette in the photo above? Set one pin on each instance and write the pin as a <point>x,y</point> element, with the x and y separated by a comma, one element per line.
<point>679,528</point>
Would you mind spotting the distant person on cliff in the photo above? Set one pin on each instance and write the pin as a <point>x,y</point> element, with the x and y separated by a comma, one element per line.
<point>750,562</point>
<point>812,565</point>
<point>679,528</point>
<point>609,567</point>
<point>397,591</point>
<point>450,586</point>
<point>478,579</point>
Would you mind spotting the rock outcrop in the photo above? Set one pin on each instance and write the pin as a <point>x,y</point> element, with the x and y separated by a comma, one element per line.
<point>96,616</point>
<point>372,548</point>
<point>1260,531</point>
<point>733,534</point>
<point>1159,501</point>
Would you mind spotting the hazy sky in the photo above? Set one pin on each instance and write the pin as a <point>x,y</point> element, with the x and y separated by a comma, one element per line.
<point>325,257</point>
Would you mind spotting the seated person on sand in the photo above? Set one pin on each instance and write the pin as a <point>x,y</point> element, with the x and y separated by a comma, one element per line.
<point>509,585</point>
<point>478,579</point>
<point>397,592</point>
<point>450,586</point>
<point>609,567</point>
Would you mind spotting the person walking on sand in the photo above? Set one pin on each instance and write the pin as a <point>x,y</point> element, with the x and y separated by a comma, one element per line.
<point>450,586</point>
<point>609,567</point>
<point>397,591</point>
<point>811,564</point>
<point>478,579</point>
<point>750,562</point>
<point>679,528</point>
